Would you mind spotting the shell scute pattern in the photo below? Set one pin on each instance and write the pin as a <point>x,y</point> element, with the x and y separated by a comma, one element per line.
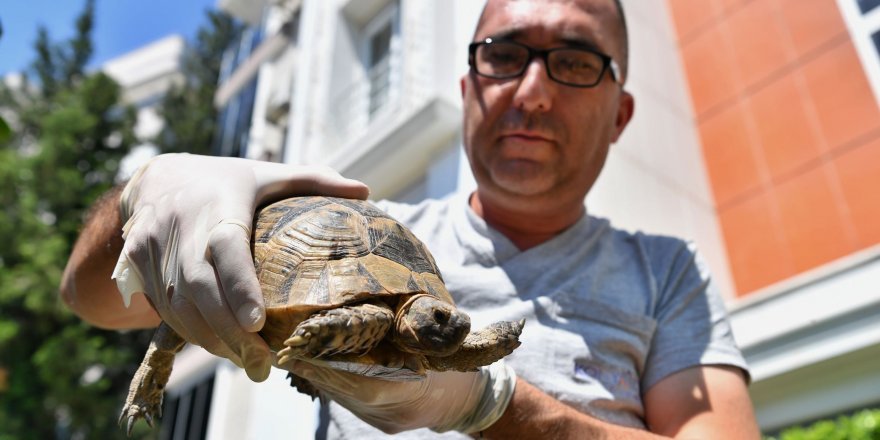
<point>337,252</point>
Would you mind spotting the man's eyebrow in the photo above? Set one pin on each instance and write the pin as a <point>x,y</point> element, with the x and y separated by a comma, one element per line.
<point>578,41</point>
<point>582,43</point>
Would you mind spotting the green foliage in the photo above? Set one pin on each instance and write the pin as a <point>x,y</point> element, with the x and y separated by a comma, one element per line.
<point>863,425</point>
<point>59,377</point>
<point>5,132</point>
<point>188,111</point>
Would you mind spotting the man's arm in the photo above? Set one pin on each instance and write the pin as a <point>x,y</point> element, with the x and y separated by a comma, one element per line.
<point>702,402</point>
<point>698,403</point>
<point>187,248</point>
<point>86,286</point>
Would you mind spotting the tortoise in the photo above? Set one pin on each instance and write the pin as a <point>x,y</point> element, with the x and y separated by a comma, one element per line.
<point>347,287</point>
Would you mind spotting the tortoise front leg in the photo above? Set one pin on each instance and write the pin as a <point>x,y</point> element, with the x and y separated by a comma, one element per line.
<point>351,329</point>
<point>481,347</point>
<point>148,384</point>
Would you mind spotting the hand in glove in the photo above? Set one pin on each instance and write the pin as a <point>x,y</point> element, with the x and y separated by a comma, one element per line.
<point>444,401</point>
<point>187,245</point>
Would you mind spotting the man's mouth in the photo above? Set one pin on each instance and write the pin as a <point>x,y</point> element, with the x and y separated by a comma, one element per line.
<point>527,136</point>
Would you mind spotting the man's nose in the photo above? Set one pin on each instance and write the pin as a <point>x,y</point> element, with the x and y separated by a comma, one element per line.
<point>534,91</point>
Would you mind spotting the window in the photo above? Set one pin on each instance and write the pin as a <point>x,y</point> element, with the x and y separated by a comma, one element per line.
<point>868,5</point>
<point>378,53</point>
<point>366,75</point>
<point>185,416</point>
<point>234,119</point>
<point>863,21</point>
<point>876,39</point>
<point>379,68</point>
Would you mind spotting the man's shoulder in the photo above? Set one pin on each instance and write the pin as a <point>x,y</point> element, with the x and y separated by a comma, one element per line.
<point>647,241</point>
<point>660,252</point>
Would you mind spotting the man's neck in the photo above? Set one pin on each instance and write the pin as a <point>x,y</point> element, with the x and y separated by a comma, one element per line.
<point>525,226</point>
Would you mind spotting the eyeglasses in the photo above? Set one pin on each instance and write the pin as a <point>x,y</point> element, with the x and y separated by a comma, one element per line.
<point>576,67</point>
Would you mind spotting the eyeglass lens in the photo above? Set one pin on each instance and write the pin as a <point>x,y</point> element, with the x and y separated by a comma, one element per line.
<point>507,60</point>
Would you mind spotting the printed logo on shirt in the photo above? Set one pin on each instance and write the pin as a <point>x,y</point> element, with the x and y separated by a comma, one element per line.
<point>619,382</point>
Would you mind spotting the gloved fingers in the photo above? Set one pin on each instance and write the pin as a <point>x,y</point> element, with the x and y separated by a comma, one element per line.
<point>309,180</point>
<point>391,406</point>
<point>201,284</point>
<point>327,181</point>
<point>350,387</point>
<point>141,267</point>
<point>229,249</point>
<point>191,325</point>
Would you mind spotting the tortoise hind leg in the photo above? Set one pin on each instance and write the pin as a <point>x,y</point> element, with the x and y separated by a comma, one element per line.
<point>352,329</point>
<point>148,384</point>
<point>480,348</point>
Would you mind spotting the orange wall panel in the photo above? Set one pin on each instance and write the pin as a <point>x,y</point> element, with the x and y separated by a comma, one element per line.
<point>759,41</point>
<point>710,68</point>
<point>812,23</point>
<point>788,138</point>
<point>814,227</point>
<point>756,245</point>
<point>728,149</point>
<point>690,15</point>
<point>790,131</point>
<point>845,106</point>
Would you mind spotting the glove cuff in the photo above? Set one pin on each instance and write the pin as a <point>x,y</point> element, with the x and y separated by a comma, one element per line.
<point>129,193</point>
<point>499,385</point>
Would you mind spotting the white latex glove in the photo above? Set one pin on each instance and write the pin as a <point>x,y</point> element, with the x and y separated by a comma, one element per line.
<point>444,401</point>
<point>187,245</point>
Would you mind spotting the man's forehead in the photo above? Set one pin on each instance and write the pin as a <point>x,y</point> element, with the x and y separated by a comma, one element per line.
<point>587,21</point>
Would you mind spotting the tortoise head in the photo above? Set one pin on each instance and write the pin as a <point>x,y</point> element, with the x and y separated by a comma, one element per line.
<point>427,325</point>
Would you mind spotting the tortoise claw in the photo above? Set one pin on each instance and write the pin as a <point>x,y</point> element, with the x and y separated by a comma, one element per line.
<point>298,340</point>
<point>132,412</point>
<point>284,356</point>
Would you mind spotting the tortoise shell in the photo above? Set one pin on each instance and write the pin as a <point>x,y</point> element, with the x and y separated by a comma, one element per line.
<point>317,253</point>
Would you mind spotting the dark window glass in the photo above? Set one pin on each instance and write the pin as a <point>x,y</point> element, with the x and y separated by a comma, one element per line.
<point>380,68</point>
<point>867,5</point>
<point>185,416</point>
<point>876,38</point>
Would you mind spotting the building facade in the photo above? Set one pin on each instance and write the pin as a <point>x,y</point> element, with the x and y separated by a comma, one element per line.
<point>145,75</point>
<point>756,135</point>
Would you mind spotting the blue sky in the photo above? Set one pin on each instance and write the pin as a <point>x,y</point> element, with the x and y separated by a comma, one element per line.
<point>120,25</point>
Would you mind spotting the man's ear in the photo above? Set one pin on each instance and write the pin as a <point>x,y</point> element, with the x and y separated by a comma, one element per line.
<point>625,109</point>
<point>462,85</point>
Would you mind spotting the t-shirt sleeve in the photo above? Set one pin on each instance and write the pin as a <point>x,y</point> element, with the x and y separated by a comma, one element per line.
<point>693,326</point>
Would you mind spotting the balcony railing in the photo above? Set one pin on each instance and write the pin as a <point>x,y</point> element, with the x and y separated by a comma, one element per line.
<point>356,105</point>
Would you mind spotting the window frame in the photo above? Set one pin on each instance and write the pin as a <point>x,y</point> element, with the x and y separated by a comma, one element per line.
<point>389,14</point>
<point>862,27</point>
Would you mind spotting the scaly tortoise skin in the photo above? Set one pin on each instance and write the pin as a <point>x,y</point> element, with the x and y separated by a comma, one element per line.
<point>347,287</point>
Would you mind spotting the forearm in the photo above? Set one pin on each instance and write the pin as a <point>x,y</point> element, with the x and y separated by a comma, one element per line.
<point>86,286</point>
<point>534,414</point>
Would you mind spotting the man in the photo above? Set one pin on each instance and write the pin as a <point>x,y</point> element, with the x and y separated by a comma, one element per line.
<point>625,338</point>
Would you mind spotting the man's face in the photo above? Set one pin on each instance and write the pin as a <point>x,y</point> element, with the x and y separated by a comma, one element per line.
<point>530,139</point>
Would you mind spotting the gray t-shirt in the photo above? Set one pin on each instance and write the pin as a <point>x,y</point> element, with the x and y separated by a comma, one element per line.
<point>608,313</point>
